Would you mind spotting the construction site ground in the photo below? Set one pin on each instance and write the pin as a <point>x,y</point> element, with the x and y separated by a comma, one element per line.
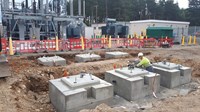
<point>27,89</point>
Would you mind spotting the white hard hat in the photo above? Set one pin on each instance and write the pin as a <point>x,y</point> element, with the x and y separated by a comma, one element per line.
<point>140,54</point>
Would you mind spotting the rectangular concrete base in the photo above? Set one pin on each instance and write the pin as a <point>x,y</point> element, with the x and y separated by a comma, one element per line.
<point>71,94</point>
<point>169,78</point>
<point>173,75</point>
<point>4,67</point>
<point>52,61</point>
<point>116,54</point>
<point>87,57</point>
<point>133,87</point>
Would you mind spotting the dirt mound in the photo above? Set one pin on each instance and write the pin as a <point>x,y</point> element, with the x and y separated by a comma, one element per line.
<point>38,83</point>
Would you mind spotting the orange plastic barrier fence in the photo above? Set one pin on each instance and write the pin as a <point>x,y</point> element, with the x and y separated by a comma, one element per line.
<point>4,44</point>
<point>31,46</point>
<point>25,46</point>
<point>74,44</point>
<point>150,42</point>
<point>97,43</point>
<point>169,41</point>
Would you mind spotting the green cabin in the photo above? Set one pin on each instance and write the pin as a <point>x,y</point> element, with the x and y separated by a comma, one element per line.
<point>159,32</point>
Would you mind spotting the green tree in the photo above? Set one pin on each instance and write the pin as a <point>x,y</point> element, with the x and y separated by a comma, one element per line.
<point>193,12</point>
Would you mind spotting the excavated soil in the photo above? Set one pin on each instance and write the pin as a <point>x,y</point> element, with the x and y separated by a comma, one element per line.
<point>27,89</point>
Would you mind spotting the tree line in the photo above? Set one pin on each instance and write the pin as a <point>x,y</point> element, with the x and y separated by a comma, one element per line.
<point>130,10</point>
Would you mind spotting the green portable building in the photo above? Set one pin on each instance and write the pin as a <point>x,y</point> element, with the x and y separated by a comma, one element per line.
<point>159,32</point>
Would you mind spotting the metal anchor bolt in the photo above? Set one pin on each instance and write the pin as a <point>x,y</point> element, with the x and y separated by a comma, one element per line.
<point>75,80</point>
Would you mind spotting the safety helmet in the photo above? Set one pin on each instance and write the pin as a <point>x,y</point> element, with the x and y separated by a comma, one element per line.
<point>140,54</point>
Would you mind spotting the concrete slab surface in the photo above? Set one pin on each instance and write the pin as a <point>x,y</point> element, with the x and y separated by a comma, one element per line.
<point>116,54</point>
<point>87,57</point>
<point>52,61</point>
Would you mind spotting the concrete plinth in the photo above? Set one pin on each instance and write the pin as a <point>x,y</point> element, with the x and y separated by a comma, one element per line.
<point>52,61</point>
<point>172,75</point>
<point>133,84</point>
<point>116,54</point>
<point>87,57</point>
<point>71,94</point>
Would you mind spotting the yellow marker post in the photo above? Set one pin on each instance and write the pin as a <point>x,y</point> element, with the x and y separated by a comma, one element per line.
<point>135,35</point>
<point>11,46</point>
<point>82,43</point>
<point>190,40</point>
<point>183,41</point>
<point>110,42</point>
<point>101,39</point>
<point>141,37</point>
<point>118,40</point>
<point>128,40</point>
<point>57,48</point>
<point>146,37</point>
<point>194,41</point>
<point>131,42</point>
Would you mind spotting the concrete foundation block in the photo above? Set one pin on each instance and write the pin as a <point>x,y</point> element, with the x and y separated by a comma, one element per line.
<point>172,75</point>
<point>52,61</point>
<point>169,78</point>
<point>71,94</point>
<point>185,75</point>
<point>133,86</point>
<point>116,54</point>
<point>87,57</point>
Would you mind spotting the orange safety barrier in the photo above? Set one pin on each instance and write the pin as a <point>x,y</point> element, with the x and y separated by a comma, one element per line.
<point>119,42</point>
<point>74,44</point>
<point>149,43</point>
<point>4,44</point>
<point>134,42</point>
<point>64,45</point>
<point>31,46</point>
<point>25,46</point>
<point>97,43</point>
<point>161,41</point>
<point>49,45</point>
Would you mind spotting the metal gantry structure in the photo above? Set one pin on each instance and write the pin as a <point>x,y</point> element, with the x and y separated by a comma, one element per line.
<point>31,19</point>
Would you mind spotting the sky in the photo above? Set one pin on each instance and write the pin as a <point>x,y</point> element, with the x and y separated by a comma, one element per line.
<point>182,3</point>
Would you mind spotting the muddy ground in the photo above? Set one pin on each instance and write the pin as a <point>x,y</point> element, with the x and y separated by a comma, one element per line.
<point>27,89</point>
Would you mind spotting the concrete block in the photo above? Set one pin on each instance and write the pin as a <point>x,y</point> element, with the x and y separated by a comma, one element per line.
<point>52,61</point>
<point>168,78</point>
<point>135,85</point>
<point>172,75</point>
<point>185,75</point>
<point>116,54</point>
<point>87,57</point>
<point>167,65</point>
<point>71,94</point>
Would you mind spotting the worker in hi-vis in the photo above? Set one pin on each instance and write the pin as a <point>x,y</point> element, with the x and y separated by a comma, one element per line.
<point>144,62</point>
